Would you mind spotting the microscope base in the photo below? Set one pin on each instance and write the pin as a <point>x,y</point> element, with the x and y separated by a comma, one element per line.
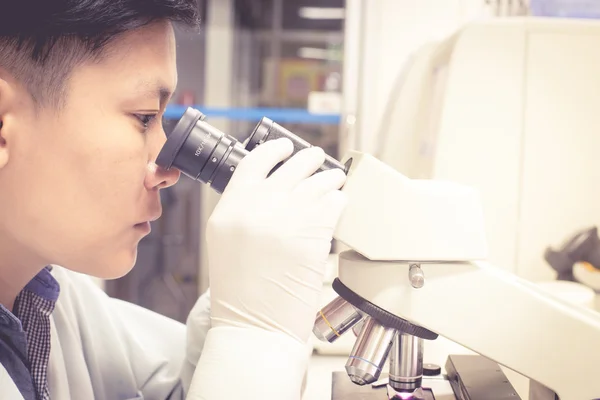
<point>471,376</point>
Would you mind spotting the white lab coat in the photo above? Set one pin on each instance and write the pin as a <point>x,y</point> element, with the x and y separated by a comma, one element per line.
<point>107,349</point>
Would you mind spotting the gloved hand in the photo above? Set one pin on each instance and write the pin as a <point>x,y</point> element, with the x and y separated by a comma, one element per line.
<point>269,239</point>
<point>197,324</point>
<point>268,243</point>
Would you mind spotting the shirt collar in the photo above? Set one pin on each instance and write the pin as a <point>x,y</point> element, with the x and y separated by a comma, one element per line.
<point>44,285</point>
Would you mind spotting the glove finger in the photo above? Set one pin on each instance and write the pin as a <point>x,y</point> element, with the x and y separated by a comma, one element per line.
<point>322,219</point>
<point>333,205</point>
<point>320,184</point>
<point>260,161</point>
<point>302,165</point>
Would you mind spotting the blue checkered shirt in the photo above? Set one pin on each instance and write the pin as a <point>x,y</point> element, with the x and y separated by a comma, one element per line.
<point>25,336</point>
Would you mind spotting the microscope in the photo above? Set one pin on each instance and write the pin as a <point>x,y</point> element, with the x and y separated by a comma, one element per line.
<point>415,271</point>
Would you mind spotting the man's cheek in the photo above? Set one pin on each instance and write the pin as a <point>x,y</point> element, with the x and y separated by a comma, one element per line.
<point>124,178</point>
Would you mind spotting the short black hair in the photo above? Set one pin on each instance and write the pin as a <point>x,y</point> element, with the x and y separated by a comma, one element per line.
<point>41,41</point>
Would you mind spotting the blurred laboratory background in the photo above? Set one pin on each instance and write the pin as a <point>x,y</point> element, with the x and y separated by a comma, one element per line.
<point>500,95</point>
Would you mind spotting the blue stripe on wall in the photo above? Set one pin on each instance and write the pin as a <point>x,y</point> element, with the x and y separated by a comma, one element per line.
<point>279,115</point>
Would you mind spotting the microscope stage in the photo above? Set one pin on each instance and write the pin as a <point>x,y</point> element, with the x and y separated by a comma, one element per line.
<point>344,389</point>
<point>475,376</point>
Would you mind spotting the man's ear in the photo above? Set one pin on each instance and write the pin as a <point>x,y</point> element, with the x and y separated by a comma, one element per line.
<point>7,98</point>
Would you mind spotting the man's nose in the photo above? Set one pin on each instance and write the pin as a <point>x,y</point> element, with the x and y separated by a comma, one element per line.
<point>160,178</point>
<point>156,176</point>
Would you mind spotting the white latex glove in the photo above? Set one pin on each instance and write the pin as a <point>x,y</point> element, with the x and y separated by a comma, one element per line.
<point>268,243</point>
<point>269,239</point>
<point>198,324</point>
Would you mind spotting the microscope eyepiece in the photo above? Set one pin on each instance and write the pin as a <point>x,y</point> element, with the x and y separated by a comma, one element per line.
<point>201,151</point>
<point>208,155</point>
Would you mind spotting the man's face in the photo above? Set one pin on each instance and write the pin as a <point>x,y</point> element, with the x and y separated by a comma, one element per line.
<point>78,187</point>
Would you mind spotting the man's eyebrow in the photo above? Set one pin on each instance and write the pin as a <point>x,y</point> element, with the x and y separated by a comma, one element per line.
<point>154,90</point>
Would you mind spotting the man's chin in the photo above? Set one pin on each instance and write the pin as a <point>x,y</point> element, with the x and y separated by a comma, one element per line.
<point>109,268</point>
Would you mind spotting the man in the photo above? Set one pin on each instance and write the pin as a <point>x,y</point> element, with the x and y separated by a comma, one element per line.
<point>83,85</point>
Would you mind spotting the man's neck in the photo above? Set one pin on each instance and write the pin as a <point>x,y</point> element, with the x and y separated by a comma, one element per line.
<point>17,268</point>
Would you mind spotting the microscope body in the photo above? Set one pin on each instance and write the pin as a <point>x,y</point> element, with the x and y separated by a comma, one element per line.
<point>417,269</point>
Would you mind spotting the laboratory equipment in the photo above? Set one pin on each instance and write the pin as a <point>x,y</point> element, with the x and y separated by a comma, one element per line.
<point>417,270</point>
<point>578,258</point>
<point>510,108</point>
<point>584,246</point>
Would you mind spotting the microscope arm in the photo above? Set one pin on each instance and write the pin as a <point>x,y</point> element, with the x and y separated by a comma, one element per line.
<point>392,222</point>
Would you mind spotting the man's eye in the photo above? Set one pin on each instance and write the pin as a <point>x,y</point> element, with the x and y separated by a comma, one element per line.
<point>146,119</point>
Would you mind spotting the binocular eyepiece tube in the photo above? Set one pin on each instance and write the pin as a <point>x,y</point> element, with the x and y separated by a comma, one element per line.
<point>206,154</point>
